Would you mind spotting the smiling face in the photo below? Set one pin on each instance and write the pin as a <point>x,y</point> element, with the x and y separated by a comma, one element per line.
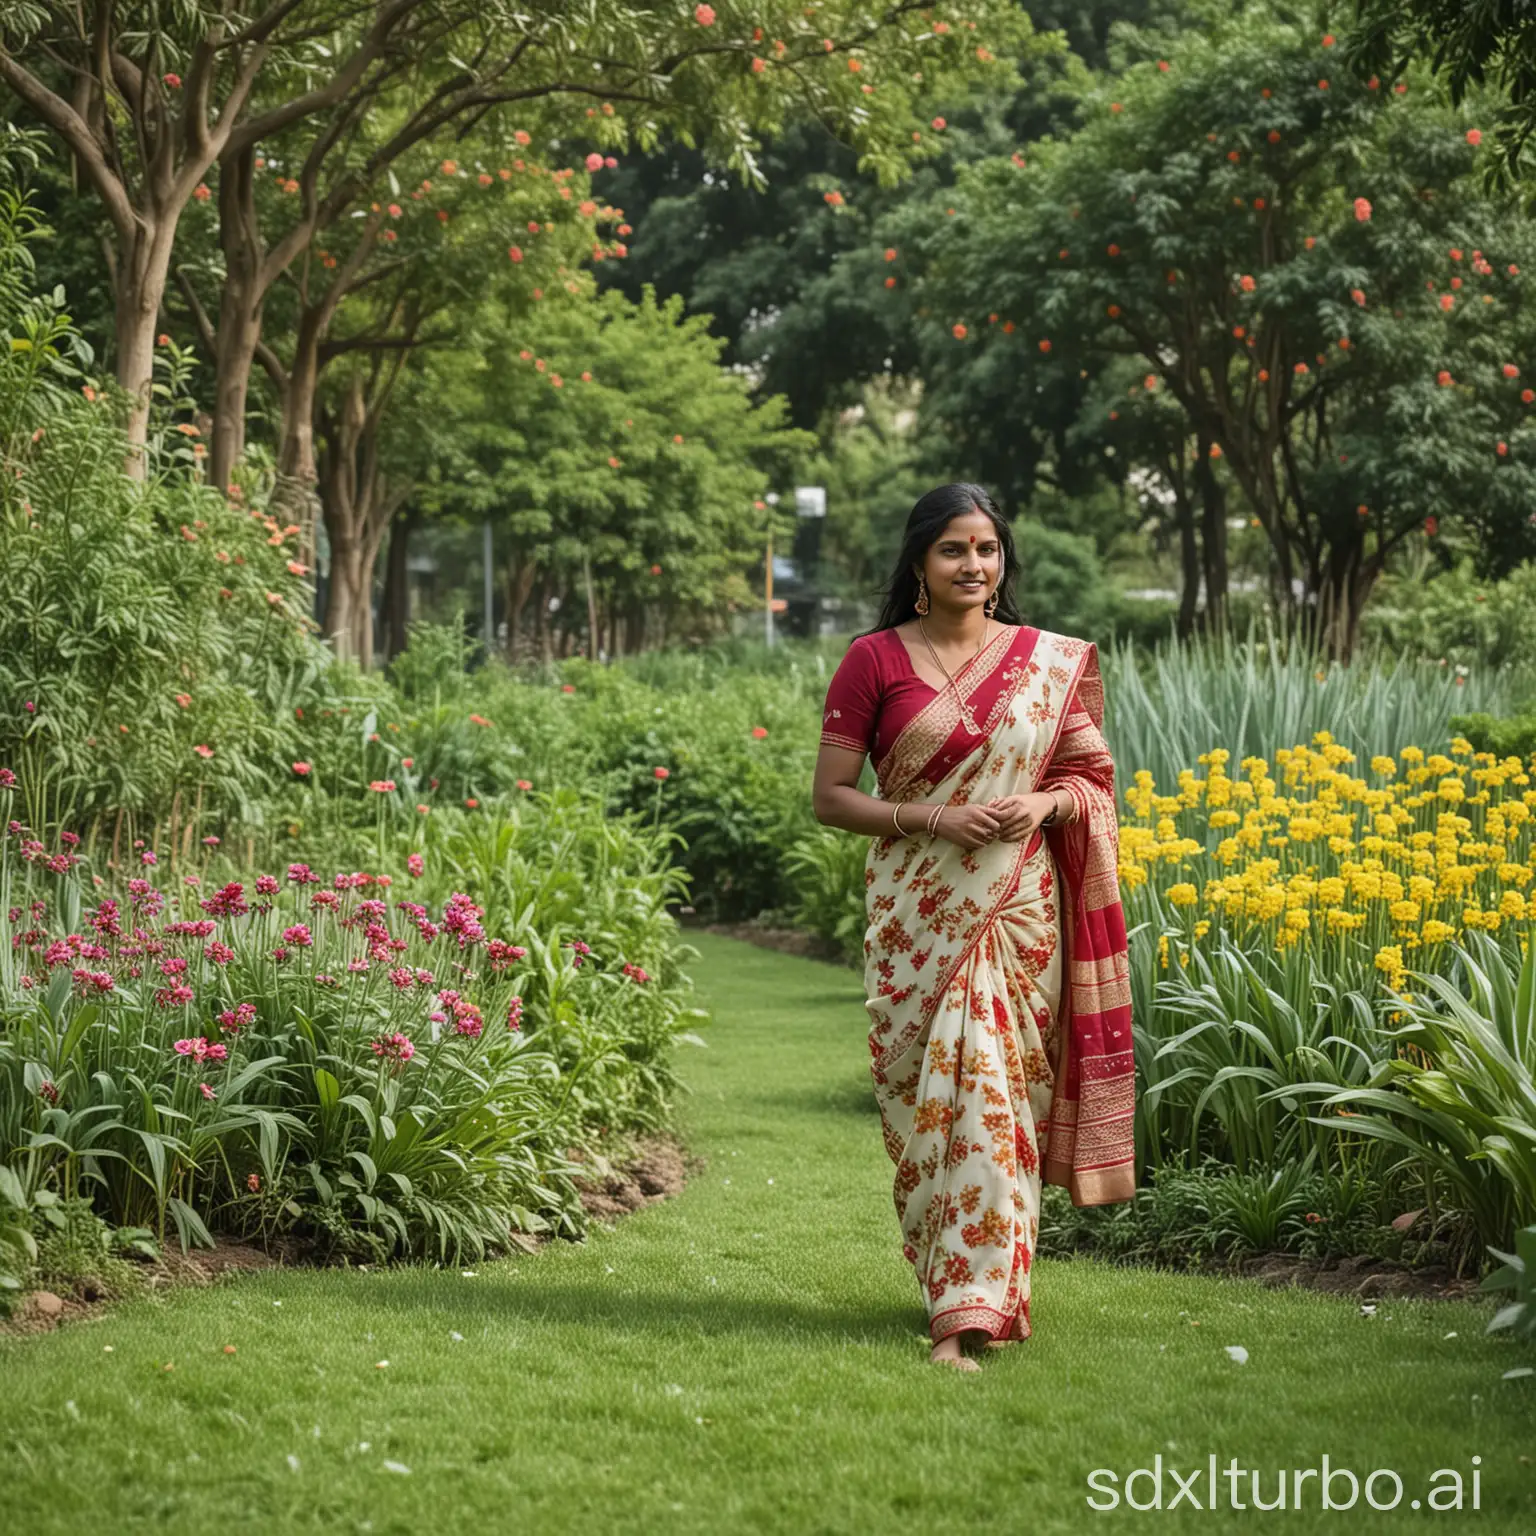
<point>964,563</point>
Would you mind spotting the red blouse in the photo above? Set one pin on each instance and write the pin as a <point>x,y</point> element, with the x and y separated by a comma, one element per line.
<point>873,694</point>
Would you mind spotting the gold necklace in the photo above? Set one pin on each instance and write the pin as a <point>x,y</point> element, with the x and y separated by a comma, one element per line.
<point>966,717</point>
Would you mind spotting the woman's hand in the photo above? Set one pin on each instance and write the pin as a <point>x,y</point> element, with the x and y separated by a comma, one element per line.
<point>968,826</point>
<point>1019,815</point>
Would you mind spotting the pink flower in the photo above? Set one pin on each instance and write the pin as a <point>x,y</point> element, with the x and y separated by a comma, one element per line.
<point>207,1092</point>
<point>174,997</point>
<point>383,786</point>
<point>266,885</point>
<point>595,161</point>
<point>1362,209</point>
<point>203,751</point>
<point>148,857</point>
<point>279,954</point>
<point>1474,137</point>
<point>416,865</point>
<point>253,1183</point>
<point>395,1049</point>
<point>515,1013</point>
<point>704,15</point>
<point>299,936</point>
<point>172,79</point>
<point>303,770</point>
<point>237,1017</point>
<point>402,977</point>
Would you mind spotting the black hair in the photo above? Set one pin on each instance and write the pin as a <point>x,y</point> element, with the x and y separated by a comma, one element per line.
<point>932,514</point>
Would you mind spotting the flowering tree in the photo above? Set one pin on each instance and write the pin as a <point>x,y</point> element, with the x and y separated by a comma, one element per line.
<point>147,103</point>
<point>1306,263</point>
<point>625,469</point>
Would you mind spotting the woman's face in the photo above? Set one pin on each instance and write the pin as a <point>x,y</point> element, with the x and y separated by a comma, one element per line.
<point>964,563</point>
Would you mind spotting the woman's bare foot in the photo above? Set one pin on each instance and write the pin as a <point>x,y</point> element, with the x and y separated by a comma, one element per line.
<point>949,1351</point>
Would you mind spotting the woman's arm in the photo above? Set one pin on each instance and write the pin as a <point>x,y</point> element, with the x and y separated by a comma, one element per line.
<point>837,801</point>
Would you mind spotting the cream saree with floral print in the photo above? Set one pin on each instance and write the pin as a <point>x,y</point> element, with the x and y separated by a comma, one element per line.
<point>997,983</point>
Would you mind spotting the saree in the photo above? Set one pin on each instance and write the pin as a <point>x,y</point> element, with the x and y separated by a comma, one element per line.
<point>997,980</point>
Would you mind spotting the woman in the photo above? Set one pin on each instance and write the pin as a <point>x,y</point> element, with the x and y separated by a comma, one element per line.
<point>995,957</point>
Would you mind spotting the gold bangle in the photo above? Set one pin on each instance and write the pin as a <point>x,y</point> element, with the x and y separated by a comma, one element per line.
<point>933,820</point>
<point>896,819</point>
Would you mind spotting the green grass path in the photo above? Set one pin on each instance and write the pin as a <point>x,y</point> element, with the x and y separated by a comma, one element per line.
<point>749,1356</point>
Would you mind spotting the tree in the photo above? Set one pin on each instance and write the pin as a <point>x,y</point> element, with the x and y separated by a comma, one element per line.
<point>1310,268</point>
<point>624,469</point>
<point>1471,45</point>
<point>210,83</point>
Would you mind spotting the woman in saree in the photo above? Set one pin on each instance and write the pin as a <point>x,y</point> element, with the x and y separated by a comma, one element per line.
<point>996,978</point>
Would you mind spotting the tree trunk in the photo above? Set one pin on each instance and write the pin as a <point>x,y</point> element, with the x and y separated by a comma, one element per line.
<point>1213,499</point>
<point>358,508</point>
<point>142,276</point>
<point>517,581</point>
<point>1342,593</point>
<point>240,312</point>
<point>396,603</point>
<point>586,576</point>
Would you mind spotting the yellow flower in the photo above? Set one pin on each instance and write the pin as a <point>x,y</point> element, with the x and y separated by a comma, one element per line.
<point>1183,895</point>
<point>1385,766</point>
<point>1436,932</point>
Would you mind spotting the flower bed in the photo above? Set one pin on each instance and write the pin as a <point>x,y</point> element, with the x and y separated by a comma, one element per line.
<point>326,1056</point>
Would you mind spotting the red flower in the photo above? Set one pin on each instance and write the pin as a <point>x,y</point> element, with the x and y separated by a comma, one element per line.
<point>471,804</point>
<point>1431,525</point>
<point>1502,449</point>
<point>203,751</point>
<point>959,332</point>
<point>302,769</point>
<point>1362,209</point>
<point>704,15</point>
<point>383,786</point>
<point>759,731</point>
<point>1358,295</point>
<point>662,773</point>
<point>1443,378</point>
<point>173,80</point>
<point>1510,371</point>
<point>1245,283</point>
<point>1474,137</point>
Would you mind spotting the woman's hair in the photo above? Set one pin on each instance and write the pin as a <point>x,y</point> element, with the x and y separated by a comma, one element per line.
<point>926,522</point>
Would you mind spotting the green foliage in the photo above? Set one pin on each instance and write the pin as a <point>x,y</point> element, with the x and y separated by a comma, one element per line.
<point>1187,1216</point>
<point>1465,1105</point>
<point>1516,1274</point>
<point>143,621</point>
<point>18,1247</point>
<point>1510,736</point>
<point>1454,617</point>
<point>1297,261</point>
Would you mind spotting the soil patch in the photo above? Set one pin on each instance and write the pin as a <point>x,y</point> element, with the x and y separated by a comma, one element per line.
<point>787,941</point>
<point>659,1168</point>
<point>1362,1277</point>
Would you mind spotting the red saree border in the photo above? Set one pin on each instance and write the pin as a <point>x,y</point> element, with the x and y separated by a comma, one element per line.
<point>924,741</point>
<point>1090,1150</point>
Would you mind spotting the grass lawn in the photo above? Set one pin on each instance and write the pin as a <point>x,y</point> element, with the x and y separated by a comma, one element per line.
<point>750,1356</point>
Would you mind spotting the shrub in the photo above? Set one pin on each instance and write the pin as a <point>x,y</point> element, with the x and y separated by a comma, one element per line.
<point>331,1057</point>
<point>153,639</point>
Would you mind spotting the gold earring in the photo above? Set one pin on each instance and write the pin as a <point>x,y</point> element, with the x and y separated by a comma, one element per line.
<point>990,606</point>
<point>922,594</point>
